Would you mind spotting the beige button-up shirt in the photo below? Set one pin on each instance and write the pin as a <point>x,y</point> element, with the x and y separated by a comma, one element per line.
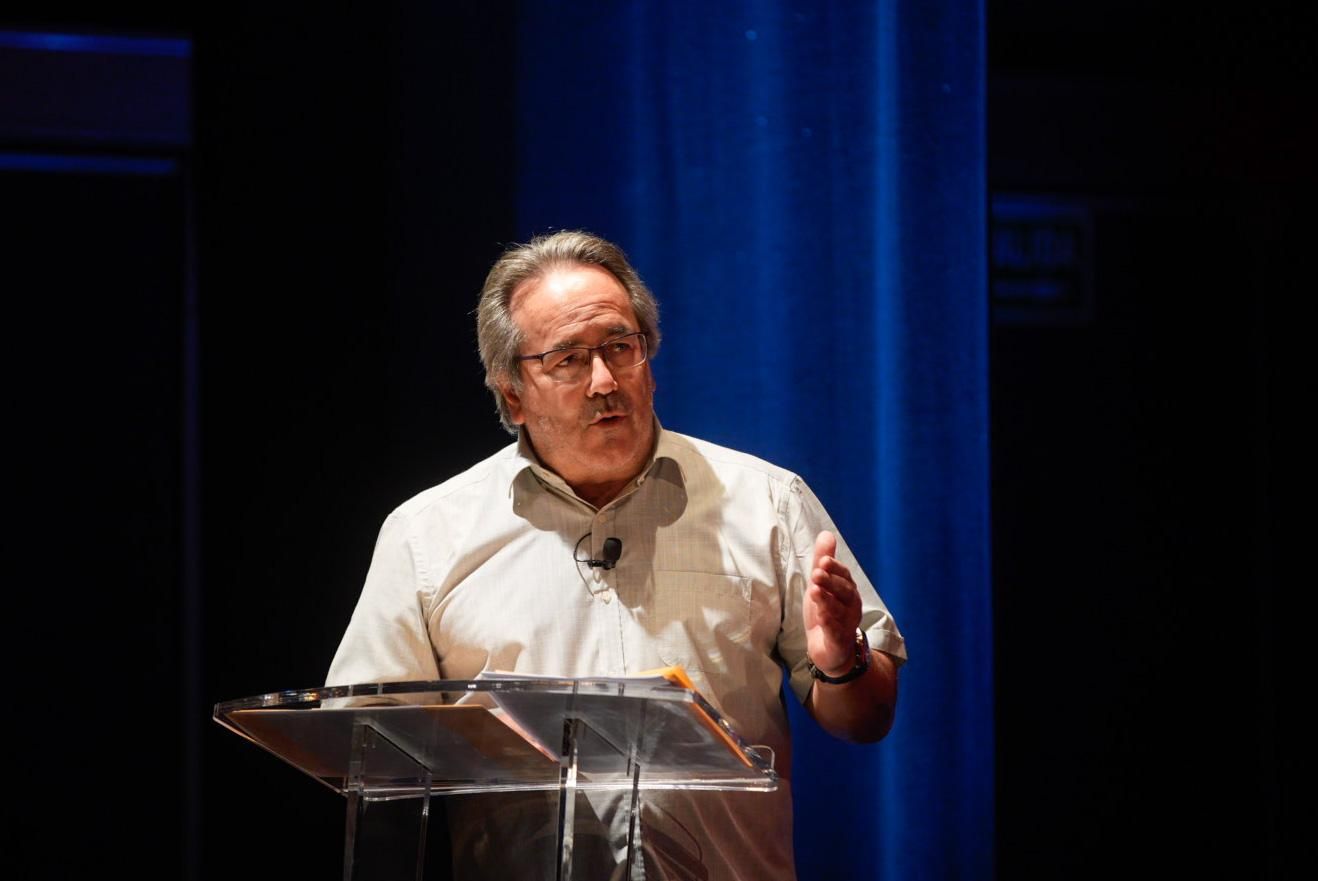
<point>479,573</point>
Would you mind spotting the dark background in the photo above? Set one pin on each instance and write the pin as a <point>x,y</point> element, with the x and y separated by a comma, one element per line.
<point>348,182</point>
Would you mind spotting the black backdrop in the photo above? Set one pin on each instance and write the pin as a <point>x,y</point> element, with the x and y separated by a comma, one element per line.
<point>351,180</point>
<point>1147,609</point>
<point>354,186</point>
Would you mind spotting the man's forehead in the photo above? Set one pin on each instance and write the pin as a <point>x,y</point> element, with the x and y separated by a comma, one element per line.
<point>567,301</point>
<point>566,280</point>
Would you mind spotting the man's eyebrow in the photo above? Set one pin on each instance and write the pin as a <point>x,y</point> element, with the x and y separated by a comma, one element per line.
<point>615,330</point>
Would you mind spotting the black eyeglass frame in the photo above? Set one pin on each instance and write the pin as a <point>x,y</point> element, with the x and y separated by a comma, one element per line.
<point>591,350</point>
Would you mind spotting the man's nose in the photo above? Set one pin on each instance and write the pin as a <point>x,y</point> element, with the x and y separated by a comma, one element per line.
<point>602,381</point>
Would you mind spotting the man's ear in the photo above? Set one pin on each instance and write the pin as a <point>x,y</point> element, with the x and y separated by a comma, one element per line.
<point>514,402</point>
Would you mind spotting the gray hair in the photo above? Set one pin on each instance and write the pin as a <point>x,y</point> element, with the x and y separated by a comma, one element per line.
<point>498,335</point>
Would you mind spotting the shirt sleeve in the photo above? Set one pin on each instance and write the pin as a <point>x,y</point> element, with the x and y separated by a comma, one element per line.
<point>387,639</point>
<point>802,517</point>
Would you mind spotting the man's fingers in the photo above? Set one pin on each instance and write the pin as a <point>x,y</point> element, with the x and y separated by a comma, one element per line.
<point>826,559</point>
<point>834,566</point>
<point>830,612</point>
<point>838,586</point>
<point>825,544</point>
<point>837,604</point>
<point>833,601</point>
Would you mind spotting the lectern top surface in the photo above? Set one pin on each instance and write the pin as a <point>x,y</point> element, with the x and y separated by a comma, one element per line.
<point>502,733</point>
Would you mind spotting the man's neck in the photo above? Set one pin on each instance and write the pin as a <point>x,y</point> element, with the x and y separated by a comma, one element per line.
<point>600,494</point>
<point>594,493</point>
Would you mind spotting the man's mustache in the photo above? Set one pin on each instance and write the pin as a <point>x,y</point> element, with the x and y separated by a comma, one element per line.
<point>615,404</point>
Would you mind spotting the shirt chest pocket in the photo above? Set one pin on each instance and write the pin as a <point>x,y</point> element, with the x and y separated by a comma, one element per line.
<point>700,620</point>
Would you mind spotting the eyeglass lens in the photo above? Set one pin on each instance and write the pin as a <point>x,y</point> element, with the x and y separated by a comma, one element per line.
<point>621,353</point>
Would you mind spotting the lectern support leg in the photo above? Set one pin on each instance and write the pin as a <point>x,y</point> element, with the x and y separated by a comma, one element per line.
<point>355,787</point>
<point>380,851</point>
<point>634,811</point>
<point>567,796</point>
<point>633,818</point>
<point>425,828</point>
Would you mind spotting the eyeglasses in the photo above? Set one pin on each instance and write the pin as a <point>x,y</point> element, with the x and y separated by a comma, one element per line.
<point>572,363</point>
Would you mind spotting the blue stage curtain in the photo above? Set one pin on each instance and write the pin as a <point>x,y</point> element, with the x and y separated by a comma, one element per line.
<point>803,186</point>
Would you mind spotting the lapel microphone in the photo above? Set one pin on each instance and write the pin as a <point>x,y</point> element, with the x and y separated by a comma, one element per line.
<point>609,554</point>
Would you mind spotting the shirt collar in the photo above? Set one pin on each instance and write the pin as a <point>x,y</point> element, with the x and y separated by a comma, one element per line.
<point>666,448</point>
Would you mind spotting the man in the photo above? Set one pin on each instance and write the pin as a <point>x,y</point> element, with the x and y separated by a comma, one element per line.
<point>729,565</point>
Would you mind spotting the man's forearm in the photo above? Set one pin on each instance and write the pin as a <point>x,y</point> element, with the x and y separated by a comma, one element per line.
<point>861,710</point>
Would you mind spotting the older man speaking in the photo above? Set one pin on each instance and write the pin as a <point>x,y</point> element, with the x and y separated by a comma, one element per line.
<point>726,565</point>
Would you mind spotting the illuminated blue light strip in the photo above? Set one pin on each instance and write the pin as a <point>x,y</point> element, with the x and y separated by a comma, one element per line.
<point>104,44</point>
<point>87,164</point>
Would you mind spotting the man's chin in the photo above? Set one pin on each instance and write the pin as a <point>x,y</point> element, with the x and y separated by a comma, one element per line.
<point>618,440</point>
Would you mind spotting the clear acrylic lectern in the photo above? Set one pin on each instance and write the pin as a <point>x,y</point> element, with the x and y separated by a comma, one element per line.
<point>410,740</point>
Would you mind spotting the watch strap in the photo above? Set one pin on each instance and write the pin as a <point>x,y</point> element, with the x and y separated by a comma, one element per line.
<point>858,670</point>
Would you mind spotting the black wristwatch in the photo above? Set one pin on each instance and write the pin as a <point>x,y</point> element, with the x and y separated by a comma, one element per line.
<point>862,663</point>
